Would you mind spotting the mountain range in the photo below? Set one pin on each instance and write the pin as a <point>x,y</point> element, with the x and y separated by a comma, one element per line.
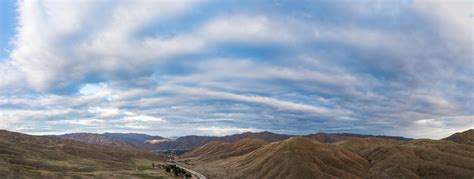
<point>246,155</point>
<point>355,157</point>
<point>147,142</point>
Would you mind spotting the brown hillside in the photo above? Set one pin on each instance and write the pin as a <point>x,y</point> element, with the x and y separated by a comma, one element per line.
<point>51,157</point>
<point>192,141</point>
<point>422,158</point>
<point>219,150</point>
<point>98,139</point>
<point>297,157</point>
<point>466,137</point>
<point>359,144</point>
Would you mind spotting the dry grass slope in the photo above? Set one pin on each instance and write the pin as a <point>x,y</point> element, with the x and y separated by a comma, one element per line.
<point>466,137</point>
<point>359,144</point>
<point>297,157</point>
<point>367,157</point>
<point>219,150</point>
<point>422,159</point>
<point>50,157</point>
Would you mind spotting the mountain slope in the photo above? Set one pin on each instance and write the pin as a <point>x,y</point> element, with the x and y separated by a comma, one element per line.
<point>220,150</point>
<point>98,139</point>
<point>422,158</point>
<point>336,137</point>
<point>296,157</point>
<point>135,139</point>
<point>360,144</point>
<point>51,157</point>
<point>190,142</point>
<point>466,137</point>
<point>354,157</point>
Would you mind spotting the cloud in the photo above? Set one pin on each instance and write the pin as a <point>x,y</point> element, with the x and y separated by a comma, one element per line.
<point>286,105</point>
<point>373,66</point>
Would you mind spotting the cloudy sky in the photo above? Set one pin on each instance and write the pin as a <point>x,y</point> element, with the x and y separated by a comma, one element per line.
<point>213,67</point>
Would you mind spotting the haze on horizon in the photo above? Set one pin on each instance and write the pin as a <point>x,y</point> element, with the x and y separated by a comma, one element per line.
<point>206,67</point>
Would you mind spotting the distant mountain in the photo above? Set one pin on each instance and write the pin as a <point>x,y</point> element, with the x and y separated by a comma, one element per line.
<point>133,136</point>
<point>27,156</point>
<point>466,137</point>
<point>360,144</point>
<point>99,139</point>
<point>219,150</point>
<point>137,140</point>
<point>190,142</point>
<point>148,142</point>
<point>296,157</point>
<point>336,137</point>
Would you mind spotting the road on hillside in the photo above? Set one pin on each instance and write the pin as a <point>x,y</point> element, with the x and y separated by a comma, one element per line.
<point>199,175</point>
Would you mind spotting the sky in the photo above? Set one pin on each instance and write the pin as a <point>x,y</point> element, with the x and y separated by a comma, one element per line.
<point>208,67</point>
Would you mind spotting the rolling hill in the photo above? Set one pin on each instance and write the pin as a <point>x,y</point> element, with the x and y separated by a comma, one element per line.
<point>466,137</point>
<point>296,157</point>
<point>422,159</point>
<point>352,157</point>
<point>148,142</point>
<point>336,137</point>
<point>220,150</point>
<point>135,139</point>
<point>28,156</point>
<point>360,144</point>
<point>191,142</point>
<point>98,139</point>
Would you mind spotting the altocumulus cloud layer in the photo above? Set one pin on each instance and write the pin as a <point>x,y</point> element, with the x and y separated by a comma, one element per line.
<point>220,67</point>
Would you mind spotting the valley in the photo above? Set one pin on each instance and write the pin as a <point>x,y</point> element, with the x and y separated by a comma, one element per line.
<point>246,155</point>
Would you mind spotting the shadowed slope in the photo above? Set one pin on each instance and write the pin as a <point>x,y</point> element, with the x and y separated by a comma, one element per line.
<point>466,137</point>
<point>422,158</point>
<point>297,157</point>
<point>135,139</point>
<point>190,142</point>
<point>359,144</point>
<point>336,137</point>
<point>98,139</point>
<point>219,150</point>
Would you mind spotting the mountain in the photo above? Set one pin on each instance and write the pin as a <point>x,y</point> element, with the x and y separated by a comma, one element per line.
<point>336,137</point>
<point>422,159</point>
<point>350,157</point>
<point>296,157</point>
<point>218,150</point>
<point>148,142</point>
<point>360,144</point>
<point>137,140</point>
<point>133,136</point>
<point>27,156</point>
<point>98,139</point>
<point>190,142</point>
<point>466,137</point>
